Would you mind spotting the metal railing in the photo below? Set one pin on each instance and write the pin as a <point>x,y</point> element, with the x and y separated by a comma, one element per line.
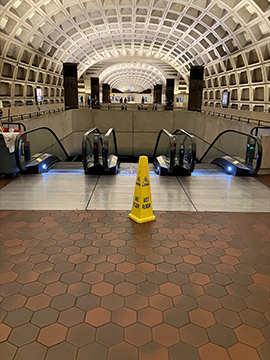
<point>245,119</point>
<point>30,115</point>
<point>20,126</point>
<point>139,107</point>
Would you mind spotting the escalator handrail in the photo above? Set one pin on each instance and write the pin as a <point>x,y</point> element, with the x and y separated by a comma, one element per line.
<point>84,140</point>
<point>105,151</point>
<point>256,128</point>
<point>193,147</point>
<point>259,152</point>
<point>172,147</point>
<point>19,136</point>
<point>19,124</point>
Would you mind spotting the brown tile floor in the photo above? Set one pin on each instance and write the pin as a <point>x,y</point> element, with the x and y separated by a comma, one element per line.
<point>264,179</point>
<point>5,181</point>
<point>93,285</point>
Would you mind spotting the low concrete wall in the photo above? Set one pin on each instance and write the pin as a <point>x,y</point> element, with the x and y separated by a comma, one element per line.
<point>137,131</point>
<point>205,128</point>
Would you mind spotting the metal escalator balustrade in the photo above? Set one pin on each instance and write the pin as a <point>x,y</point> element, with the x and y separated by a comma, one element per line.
<point>175,153</point>
<point>185,150</point>
<point>37,149</point>
<point>110,153</point>
<point>163,156</point>
<point>99,150</point>
<point>90,149</point>
<point>236,152</point>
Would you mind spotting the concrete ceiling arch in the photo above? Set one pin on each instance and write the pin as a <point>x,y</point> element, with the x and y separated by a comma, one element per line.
<point>179,33</point>
<point>139,75</point>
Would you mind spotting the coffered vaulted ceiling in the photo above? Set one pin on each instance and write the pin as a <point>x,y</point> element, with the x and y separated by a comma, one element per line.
<point>138,41</point>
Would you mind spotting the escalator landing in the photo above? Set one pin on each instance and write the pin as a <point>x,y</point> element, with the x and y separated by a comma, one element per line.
<point>131,169</point>
<point>66,167</point>
<point>207,189</point>
<point>209,170</point>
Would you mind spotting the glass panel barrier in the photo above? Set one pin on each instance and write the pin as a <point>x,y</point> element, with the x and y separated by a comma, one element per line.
<point>185,149</point>
<point>244,148</point>
<point>110,148</point>
<point>33,143</point>
<point>165,148</point>
<point>91,148</point>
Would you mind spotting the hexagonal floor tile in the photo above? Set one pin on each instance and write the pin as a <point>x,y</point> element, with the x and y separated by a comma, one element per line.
<point>165,335</point>
<point>80,335</point>
<point>211,351</point>
<point>110,334</point>
<point>137,334</point>
<point>193,335</point>
<point>52,334</point>
<point>97,317</point>
<point>150,317</point>
<point>202,317</point>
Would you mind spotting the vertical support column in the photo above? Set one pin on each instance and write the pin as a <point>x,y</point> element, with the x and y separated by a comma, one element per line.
<point>195,88</point>
<point>157,93</point>
<point>95,93</point>
<point>169,94</point>
<point>70,85</point>
<point>105,93</point>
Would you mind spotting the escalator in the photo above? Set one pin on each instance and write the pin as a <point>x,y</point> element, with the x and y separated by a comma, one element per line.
<point>100,154</point>
<point>237,153</point>
<point>39,150</point>
<point>175,153</point>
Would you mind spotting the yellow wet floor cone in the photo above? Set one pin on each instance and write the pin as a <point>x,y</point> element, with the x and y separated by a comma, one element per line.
<point>142,203</point>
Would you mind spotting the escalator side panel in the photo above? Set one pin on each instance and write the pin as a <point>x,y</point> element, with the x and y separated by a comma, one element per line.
<point>237,153</point>
<point>40,164</point>
<point>98,156</point>
<point>45,150</point>
<point>231,166</point>
<point>180,153</point>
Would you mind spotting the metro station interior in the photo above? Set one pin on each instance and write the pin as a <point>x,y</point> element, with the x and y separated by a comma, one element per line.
<point>88,88</point>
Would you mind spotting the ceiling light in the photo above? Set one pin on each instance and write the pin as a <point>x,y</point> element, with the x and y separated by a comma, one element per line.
<point>3,22</point>
<point>17,4</point>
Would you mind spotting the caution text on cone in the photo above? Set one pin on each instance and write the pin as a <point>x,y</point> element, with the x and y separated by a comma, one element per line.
<point>142,210</point>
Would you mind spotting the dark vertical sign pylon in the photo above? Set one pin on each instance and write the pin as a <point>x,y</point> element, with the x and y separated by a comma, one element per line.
<point>157,93</point>
<point>95,92</point>
<point>195,88</point>
<point>70,85</point>
<point>105,93</point>
<point>169,94</point>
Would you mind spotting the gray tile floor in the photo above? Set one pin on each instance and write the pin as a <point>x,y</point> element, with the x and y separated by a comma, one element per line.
<point>207,189</point>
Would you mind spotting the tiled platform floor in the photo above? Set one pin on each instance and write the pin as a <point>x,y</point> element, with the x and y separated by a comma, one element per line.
<point>93,285</point>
